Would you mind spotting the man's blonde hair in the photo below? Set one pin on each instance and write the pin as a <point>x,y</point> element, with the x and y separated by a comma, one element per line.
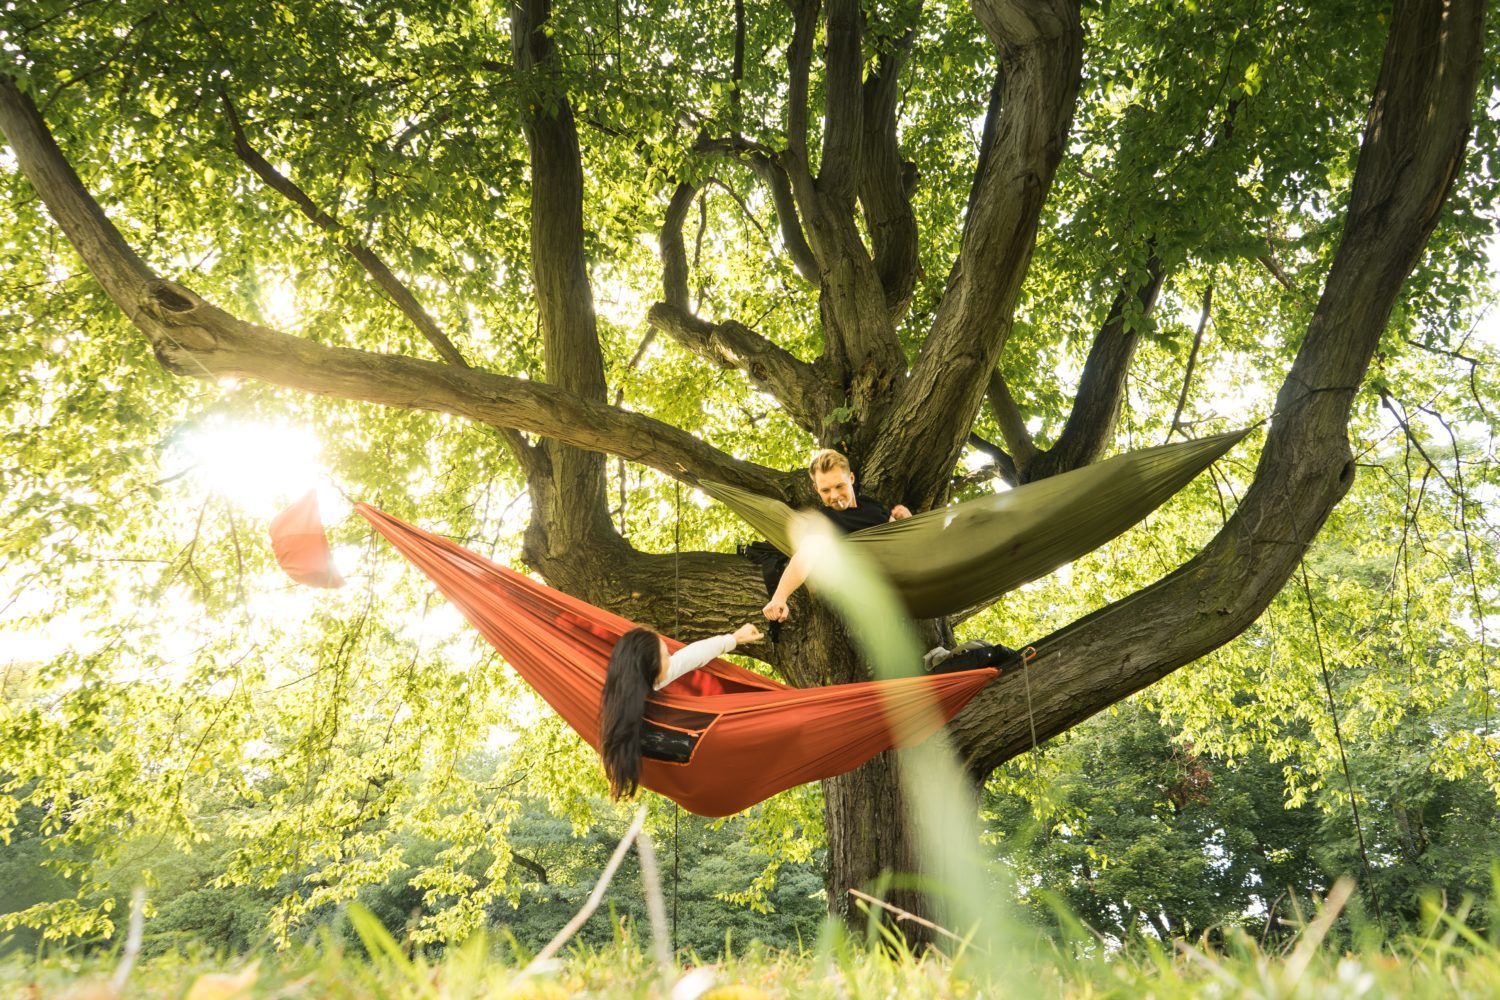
<point>827,460</point>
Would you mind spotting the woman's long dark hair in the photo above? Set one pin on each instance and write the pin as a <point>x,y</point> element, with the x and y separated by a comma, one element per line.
<point>633,667</point>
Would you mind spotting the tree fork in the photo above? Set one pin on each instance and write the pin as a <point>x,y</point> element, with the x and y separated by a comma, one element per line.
<point>1096,407</point>
<point>886,181</point>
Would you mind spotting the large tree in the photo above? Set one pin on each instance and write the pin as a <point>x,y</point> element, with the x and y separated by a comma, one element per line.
<point>901,215</point>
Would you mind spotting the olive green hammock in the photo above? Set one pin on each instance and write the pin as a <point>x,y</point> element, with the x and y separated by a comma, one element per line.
<point>959,557</point>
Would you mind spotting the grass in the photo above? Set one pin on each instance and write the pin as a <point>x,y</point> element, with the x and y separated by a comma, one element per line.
<point>1445,960</point>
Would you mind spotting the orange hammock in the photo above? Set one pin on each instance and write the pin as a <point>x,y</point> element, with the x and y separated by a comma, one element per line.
<point>717,740</point>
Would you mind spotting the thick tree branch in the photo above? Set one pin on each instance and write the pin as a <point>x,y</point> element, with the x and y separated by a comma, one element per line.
<point>769,169</point>
<point>532,866</point>
<point>1040,43</point>
<point>799,68</point>
<point>367,258</point>
<point>1096,406</point>
<point>860,343</point>
<point>1411,154</point>
<point>564,299</point>
<point>843,105</point>
<point>1004,466</point>
<point>861,350</point>
<point>674,265</point>
<point>986,140</point>
<point>193,337</point>
<point>1012,423</point>
<point>571,538</point>
<point>780,186</point>
<point>859,330</point>
<point>1204,312</point>
<point>737,70</point>
<point>1091,421</point>
<point>793,382</point>
<point>670,243</point>
<point>860,347</point>
<point>886,181</point>
<point>570,520</point>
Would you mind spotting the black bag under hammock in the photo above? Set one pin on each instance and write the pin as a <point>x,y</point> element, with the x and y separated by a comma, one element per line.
<point>954,558</point>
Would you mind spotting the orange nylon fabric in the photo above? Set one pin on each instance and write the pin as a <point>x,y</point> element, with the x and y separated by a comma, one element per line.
<point>757,736</point>
<point>301,545</point>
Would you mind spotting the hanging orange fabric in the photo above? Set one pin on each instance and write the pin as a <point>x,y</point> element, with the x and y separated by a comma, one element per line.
<point>301,545</point>
<point>719,739</point>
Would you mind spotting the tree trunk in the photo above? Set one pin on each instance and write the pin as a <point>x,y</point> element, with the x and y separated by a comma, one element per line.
<point>870,835</point>
<point>870,827</point>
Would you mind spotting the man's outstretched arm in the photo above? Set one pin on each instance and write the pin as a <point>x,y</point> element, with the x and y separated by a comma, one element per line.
<point>794,576</point>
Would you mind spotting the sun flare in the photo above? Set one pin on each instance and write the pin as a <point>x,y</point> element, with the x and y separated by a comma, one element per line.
<point>257,466</point>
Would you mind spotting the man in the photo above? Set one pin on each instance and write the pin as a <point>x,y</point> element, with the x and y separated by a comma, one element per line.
<point>834,482</point>
<point>850,510</point>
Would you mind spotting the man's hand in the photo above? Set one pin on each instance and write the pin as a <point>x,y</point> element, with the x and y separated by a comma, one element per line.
<point>776,610</point>
<point>746,634</point>
<point>899,512</point>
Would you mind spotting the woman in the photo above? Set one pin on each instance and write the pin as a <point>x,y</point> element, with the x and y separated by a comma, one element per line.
<point>638,666</point>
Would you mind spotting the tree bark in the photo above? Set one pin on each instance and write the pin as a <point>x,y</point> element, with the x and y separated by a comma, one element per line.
<point>570,522</point>
<point>875,832</point>
<point>886,180</point>
<point>871,831</point>
<point>794,383</point>
<point>843,114</point>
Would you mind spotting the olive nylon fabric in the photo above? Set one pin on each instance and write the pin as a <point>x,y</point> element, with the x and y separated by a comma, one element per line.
<point>959,557</point>
<point>751,736</point>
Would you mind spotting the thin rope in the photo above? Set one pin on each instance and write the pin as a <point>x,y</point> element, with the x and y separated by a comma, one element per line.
<point>676,559</point>
<point>1339,737</point>
<point>676,816</point>
<point>1027,655</point>
<point>676,630</point>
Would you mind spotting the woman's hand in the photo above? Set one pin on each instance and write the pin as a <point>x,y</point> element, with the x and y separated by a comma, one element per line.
<point>746,634</point>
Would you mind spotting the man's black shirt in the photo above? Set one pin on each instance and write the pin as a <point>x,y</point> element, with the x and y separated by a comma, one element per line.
<point>866,514</point>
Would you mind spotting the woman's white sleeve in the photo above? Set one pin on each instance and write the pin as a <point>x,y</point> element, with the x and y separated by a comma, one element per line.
<point>694,655</point>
